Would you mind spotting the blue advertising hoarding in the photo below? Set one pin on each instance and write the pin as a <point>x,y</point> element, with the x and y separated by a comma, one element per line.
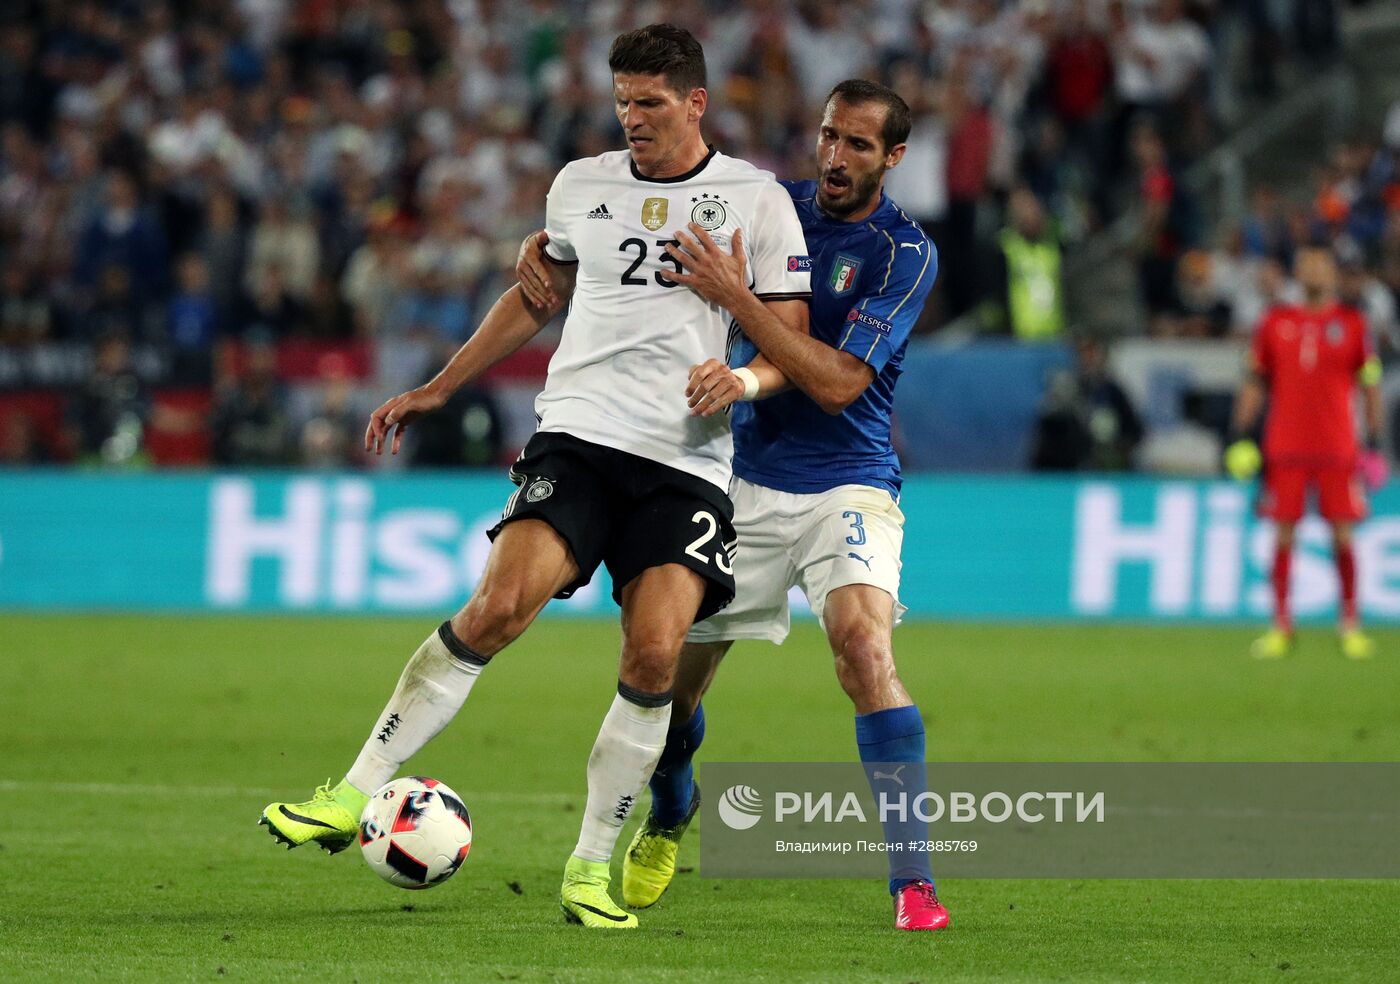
<point>1016,547</point>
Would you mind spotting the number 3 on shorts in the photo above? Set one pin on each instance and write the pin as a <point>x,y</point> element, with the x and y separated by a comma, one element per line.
<point>857,524</point>
<point>711,528</point>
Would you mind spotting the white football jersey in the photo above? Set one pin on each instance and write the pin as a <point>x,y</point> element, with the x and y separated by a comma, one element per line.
<point>619,375</point>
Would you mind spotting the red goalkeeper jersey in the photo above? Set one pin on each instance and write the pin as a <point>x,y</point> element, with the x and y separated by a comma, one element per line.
<point>1311,359</point>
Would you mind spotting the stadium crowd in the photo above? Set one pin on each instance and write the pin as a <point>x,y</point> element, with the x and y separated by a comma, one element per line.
<point>227,228</point>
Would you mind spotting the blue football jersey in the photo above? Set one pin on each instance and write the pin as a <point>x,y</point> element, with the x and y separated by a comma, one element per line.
<point>869,283</point>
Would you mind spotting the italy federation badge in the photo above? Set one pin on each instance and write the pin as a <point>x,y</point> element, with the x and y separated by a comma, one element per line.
<point>654,212</point>
<point>843,273</point>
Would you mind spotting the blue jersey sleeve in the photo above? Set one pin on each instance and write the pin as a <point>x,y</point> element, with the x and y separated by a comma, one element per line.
<point>880,321</point>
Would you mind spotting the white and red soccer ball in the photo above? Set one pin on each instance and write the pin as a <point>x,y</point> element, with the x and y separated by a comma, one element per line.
<point>415,832</point>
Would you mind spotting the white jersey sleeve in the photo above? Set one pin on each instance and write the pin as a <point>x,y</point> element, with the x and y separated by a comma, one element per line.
<point>781,269</point>
<point>560,247</point>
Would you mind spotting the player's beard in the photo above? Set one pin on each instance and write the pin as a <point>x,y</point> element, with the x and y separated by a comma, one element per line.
<point>856,197</point>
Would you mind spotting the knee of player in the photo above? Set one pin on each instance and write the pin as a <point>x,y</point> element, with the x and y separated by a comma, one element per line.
<point>649,662</point>
<point>495,615</point>
<point>862,649</point>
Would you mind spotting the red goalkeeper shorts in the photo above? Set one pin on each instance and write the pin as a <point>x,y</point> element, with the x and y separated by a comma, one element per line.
<point>1340,496</point>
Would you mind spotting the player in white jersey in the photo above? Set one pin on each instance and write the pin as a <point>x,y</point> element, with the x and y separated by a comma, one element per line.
<point>619,380</point>
<point>620,473</point>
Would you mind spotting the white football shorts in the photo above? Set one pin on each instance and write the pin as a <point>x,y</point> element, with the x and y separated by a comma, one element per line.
<point>851,534</point>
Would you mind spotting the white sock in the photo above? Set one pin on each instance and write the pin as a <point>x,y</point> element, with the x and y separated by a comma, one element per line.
<point>431,691</point>
<point>623,759</point>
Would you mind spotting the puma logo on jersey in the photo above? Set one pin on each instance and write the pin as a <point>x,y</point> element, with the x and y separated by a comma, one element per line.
<point>601,212</point>
<point>916,247</point>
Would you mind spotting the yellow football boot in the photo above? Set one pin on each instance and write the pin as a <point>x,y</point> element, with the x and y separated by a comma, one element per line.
<point>585,900</point>
<point>330,818</point>
<point>1274,644</point>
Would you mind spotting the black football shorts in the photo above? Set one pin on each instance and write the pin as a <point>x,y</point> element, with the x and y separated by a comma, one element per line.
<point>625,512</point>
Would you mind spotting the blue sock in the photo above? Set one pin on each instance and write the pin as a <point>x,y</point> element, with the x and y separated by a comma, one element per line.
<point>673,780</point>
<point>896,735</point>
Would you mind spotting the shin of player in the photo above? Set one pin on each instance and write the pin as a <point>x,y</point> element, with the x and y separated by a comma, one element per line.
<point>1308,360</point>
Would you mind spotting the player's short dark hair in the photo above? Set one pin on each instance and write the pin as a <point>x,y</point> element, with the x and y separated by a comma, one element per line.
<point>896,128</point>
<point>661,49</point>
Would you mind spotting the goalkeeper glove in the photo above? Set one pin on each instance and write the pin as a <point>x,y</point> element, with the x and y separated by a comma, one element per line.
<point>1372,466</point>
<point>1242,460</point>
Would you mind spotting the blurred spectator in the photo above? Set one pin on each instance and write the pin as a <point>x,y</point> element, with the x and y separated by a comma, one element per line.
<point>26,90</point>
<point>270,309</point>
<point>25,313</point>
<point>1167,222</point>
<point>374,275</point>
<point>224,246</point>
<point>1318,34</point>
<point>1388,267</point>
<point>20,443</point>
<point>1357,288</point>
<point>1079,74</point>
<point>465,432</point>
<point>327,316</point>
<point>1030,301</point>
<point>1266,229</point>
<point>1079,71</point>
<point>919,183</point>
<point>1274,286</point>
<point>1055,176</point>
<point>287,243</point>
<point>1159,59</point>
<point>1087,422</point>
<point>249,421</point>
<point>1203,304</point>
<point>117,308</point>
<point>346,209</point>
<point>330,438</point>
<point>969,157</point>
<point>828,44</point>
<point>107,415</point>
<point>193,320</point>
<point>451,250</point>
<point>123,240</point>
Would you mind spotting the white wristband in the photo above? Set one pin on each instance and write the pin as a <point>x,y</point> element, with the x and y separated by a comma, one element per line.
<point>750,381</point>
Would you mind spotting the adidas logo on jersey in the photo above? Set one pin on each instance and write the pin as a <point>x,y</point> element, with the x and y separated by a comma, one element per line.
<point>601,212</point>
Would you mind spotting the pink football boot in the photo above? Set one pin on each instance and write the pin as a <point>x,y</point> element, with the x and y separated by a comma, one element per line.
<point>917,907</point>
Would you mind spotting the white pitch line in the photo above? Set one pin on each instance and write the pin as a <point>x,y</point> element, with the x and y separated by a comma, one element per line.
<point>252,792</point>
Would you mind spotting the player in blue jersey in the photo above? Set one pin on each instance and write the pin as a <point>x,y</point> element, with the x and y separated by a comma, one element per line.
<point>816,476</point>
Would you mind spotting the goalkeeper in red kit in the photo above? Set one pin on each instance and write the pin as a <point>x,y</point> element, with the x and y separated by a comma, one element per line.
<point>1307,361</point>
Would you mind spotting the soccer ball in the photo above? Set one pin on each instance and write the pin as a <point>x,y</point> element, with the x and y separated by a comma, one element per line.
<point>415,832</point>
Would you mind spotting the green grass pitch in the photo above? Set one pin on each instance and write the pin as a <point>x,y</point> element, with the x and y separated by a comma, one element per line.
<point>138,752</point>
